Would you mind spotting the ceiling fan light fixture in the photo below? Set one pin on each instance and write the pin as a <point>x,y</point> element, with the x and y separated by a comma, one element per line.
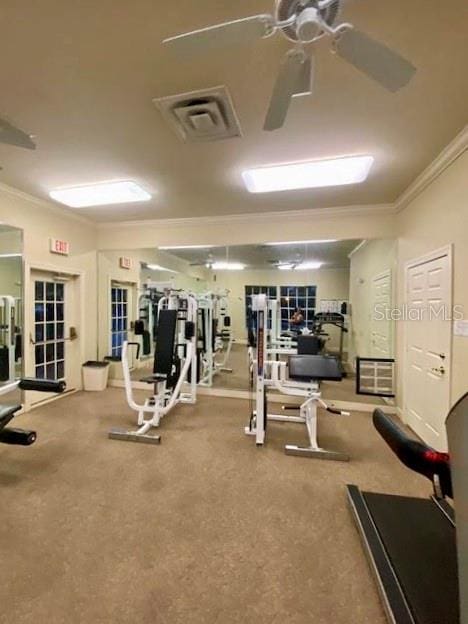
<point>305,175</point>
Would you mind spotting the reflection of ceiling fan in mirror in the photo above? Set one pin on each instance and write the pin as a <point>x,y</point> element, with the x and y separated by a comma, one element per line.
<point>10,135</point>
<point>208,263</point>
<point>302,22</point>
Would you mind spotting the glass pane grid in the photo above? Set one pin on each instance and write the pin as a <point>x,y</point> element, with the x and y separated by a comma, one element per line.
<point>49,330</point>
<point>119,319</point>
<point>292,297</point>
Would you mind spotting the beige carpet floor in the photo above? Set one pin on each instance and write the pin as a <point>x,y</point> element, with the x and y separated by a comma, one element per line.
<point>203,529</point>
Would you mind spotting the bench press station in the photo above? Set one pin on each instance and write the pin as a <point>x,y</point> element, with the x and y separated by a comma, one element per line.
<point>305,374</point>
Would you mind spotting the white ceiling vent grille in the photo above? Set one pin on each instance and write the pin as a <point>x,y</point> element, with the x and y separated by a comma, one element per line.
<point>206,115</point>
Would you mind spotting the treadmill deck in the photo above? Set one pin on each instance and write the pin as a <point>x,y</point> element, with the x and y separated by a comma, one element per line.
<point>412,550</point>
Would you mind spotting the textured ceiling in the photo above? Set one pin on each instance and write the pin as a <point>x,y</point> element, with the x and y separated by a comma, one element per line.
<point>81,76</point>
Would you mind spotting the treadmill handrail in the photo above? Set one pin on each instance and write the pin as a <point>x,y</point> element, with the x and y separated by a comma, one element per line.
<point>414,454</point>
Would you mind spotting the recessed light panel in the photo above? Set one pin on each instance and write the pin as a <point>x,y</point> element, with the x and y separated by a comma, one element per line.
<point>314,174</point>
<point>101,194</point>
<point>228,266</point>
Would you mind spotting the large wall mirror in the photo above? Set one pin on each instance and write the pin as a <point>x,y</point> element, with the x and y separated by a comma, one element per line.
<point>340,289</point>
<point>11,304</point>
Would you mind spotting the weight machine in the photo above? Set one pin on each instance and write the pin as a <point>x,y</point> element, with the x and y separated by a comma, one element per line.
<point>10,338</point>
<point>305,374</point>
<point>215,336</point>
<point>23,437</point>
<point>175,363</point>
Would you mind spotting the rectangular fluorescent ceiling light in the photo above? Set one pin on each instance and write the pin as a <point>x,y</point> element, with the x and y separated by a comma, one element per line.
<point>228,266</point>
<point>314,174</point>
<point>303,242</point>
<point>100,194</point>
<point>165,248</point>
<point>157,267</point>
<point>306,266</point>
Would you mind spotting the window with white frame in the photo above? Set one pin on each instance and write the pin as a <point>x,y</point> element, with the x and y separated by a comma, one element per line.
<point>271,293</point>
<point>290,297</point>
<point>119,319</point>
<point>293,297</point>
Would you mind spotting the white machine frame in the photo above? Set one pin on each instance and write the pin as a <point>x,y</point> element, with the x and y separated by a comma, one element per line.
<point>164,399</point>
<point>215,306</point>
<point>272,374</point>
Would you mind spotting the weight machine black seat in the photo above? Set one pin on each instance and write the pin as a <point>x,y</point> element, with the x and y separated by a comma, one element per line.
<point>314,368</point>
<point>6,414</point>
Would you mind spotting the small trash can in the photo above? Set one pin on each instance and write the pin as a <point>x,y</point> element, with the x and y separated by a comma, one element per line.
<point>95,375</point>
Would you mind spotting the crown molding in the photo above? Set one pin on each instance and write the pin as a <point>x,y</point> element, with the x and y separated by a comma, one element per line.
<point>359,246</point>
<point>291,215</point>
<point>64,212</point>
<point>447,157</point>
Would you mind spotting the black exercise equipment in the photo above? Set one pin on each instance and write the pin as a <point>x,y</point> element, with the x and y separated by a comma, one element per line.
<point>310,368</point>
<point>309,344</point>
<point>413,543</point>
<point>22,437</point>
<point>321,319</point>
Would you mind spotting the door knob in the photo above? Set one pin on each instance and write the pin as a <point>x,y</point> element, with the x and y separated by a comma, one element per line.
<point>440,370</point>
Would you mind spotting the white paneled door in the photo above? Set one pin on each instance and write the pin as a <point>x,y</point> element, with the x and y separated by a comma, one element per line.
<point>381,319</point>
<point>428,346</point>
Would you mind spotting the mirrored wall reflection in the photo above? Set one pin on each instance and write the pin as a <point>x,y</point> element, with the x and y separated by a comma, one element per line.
<point>11,304</point>
<point>335,289</point>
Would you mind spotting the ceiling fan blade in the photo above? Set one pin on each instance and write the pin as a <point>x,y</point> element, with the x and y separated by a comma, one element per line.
<point>375,59</point>
<point>306,79</point>
<point>290,81</point>
<point>230,33</point>
<point>14,136</point>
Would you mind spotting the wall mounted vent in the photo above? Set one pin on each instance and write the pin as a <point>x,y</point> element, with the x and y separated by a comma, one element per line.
<point>206,115</point>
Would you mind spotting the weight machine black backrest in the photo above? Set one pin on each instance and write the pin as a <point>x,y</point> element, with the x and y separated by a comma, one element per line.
<point>165,339</point>
<point>308,345</point>
<point>314,368</point>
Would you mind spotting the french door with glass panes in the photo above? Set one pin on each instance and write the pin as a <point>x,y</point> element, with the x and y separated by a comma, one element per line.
<point>119,312</point>
<point>55,337</point>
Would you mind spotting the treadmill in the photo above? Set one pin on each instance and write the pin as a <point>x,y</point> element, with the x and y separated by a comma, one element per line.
<point>416,550</point>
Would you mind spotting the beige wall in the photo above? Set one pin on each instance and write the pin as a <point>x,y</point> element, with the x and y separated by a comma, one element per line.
<point>331,284</point>
<point>343,223</point>
<point>371,259</point>
<point>439,217</point>
<point>40,221</point>
<point>11,277</point>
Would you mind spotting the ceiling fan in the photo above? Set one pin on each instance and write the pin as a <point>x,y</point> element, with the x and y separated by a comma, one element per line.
<point>10,135</point>
<point>210,260</point>
<point>302,22</point>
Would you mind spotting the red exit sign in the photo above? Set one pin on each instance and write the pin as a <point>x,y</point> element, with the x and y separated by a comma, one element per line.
<point>59,247</point>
